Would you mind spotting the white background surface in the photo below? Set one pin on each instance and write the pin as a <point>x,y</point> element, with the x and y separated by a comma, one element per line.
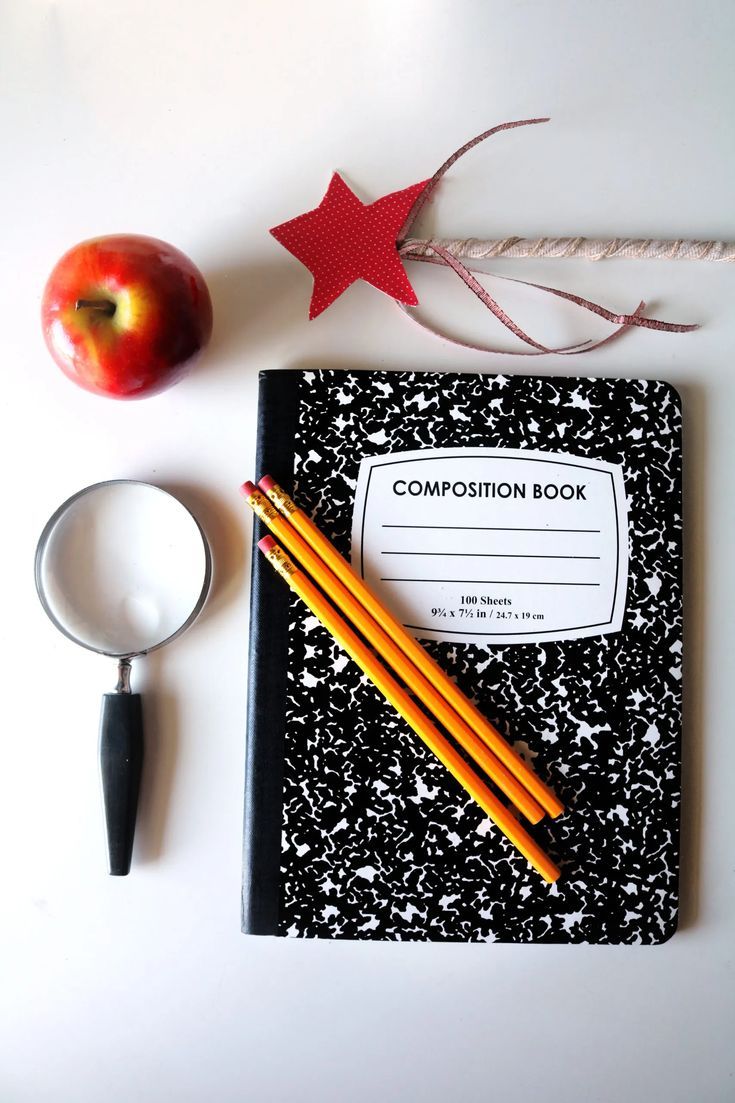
<point>204,124</point>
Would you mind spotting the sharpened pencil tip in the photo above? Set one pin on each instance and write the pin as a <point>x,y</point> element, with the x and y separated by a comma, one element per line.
<point>266,483</point>
<point>266,544</point>
<point>248,489</point>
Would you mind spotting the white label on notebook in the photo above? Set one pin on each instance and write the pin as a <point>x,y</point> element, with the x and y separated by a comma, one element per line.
<point>495,544</point>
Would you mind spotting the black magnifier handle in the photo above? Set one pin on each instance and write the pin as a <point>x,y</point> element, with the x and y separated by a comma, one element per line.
<point>121,761</point>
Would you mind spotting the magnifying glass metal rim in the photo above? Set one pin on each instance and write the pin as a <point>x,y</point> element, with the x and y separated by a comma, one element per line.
<point>46,535</point>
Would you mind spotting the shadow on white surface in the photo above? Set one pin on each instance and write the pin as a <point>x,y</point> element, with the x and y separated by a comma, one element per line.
<point>223,528</point>
<point>230,560</point>
<point>253,304</point>
<point>160,724</point>
<point>695,622</point>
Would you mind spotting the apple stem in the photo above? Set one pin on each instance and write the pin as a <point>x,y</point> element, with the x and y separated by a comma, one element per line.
<point>102,306</point>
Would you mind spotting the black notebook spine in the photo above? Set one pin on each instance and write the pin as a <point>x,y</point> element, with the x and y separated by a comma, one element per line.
<point>278,400</point>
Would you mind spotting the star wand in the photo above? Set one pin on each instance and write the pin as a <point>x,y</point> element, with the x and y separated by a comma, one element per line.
<point>344,240</point>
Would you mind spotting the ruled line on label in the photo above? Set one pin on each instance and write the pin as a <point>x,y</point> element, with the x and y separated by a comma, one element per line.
<point>483,528</point>
<point>489,582</point>
<point>491,555</point>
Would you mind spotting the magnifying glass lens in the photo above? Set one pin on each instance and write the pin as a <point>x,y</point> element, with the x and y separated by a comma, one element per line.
<point>122,568</point>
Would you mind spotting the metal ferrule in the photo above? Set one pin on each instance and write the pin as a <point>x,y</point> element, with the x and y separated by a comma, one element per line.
<point>278,559</point>
<point>281,499</point>
<point>123,676</point>
<point>261,507</point>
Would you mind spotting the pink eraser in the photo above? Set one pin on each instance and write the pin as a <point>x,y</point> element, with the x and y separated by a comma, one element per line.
<point>267,544</point>
<point>248,489</point>
<point>266,483</point>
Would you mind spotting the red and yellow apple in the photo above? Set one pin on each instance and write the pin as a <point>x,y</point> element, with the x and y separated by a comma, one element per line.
<point>125,315</point>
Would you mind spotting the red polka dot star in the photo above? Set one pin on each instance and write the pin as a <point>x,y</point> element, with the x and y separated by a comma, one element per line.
<point>344,239</point>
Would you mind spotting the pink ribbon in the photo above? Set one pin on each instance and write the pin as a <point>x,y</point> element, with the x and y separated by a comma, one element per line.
<point>440,255</point>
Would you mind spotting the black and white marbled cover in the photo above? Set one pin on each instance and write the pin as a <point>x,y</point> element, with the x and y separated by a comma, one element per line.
<point>377,840</point>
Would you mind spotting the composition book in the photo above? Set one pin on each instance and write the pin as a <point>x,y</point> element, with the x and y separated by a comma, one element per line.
<point>528,532</point>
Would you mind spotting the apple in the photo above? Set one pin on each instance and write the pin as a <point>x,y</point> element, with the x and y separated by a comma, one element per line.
<point>125,315</point>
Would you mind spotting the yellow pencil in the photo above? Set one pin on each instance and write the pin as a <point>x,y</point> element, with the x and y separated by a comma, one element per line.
<point>411,648</point>
<point>408,709</point>
<point>390,653</point>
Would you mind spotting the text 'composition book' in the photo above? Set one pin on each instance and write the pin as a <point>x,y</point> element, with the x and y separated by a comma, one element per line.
<point>528,532</point>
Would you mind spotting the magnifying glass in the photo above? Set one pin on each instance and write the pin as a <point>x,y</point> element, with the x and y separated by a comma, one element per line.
<point>122,568</point>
